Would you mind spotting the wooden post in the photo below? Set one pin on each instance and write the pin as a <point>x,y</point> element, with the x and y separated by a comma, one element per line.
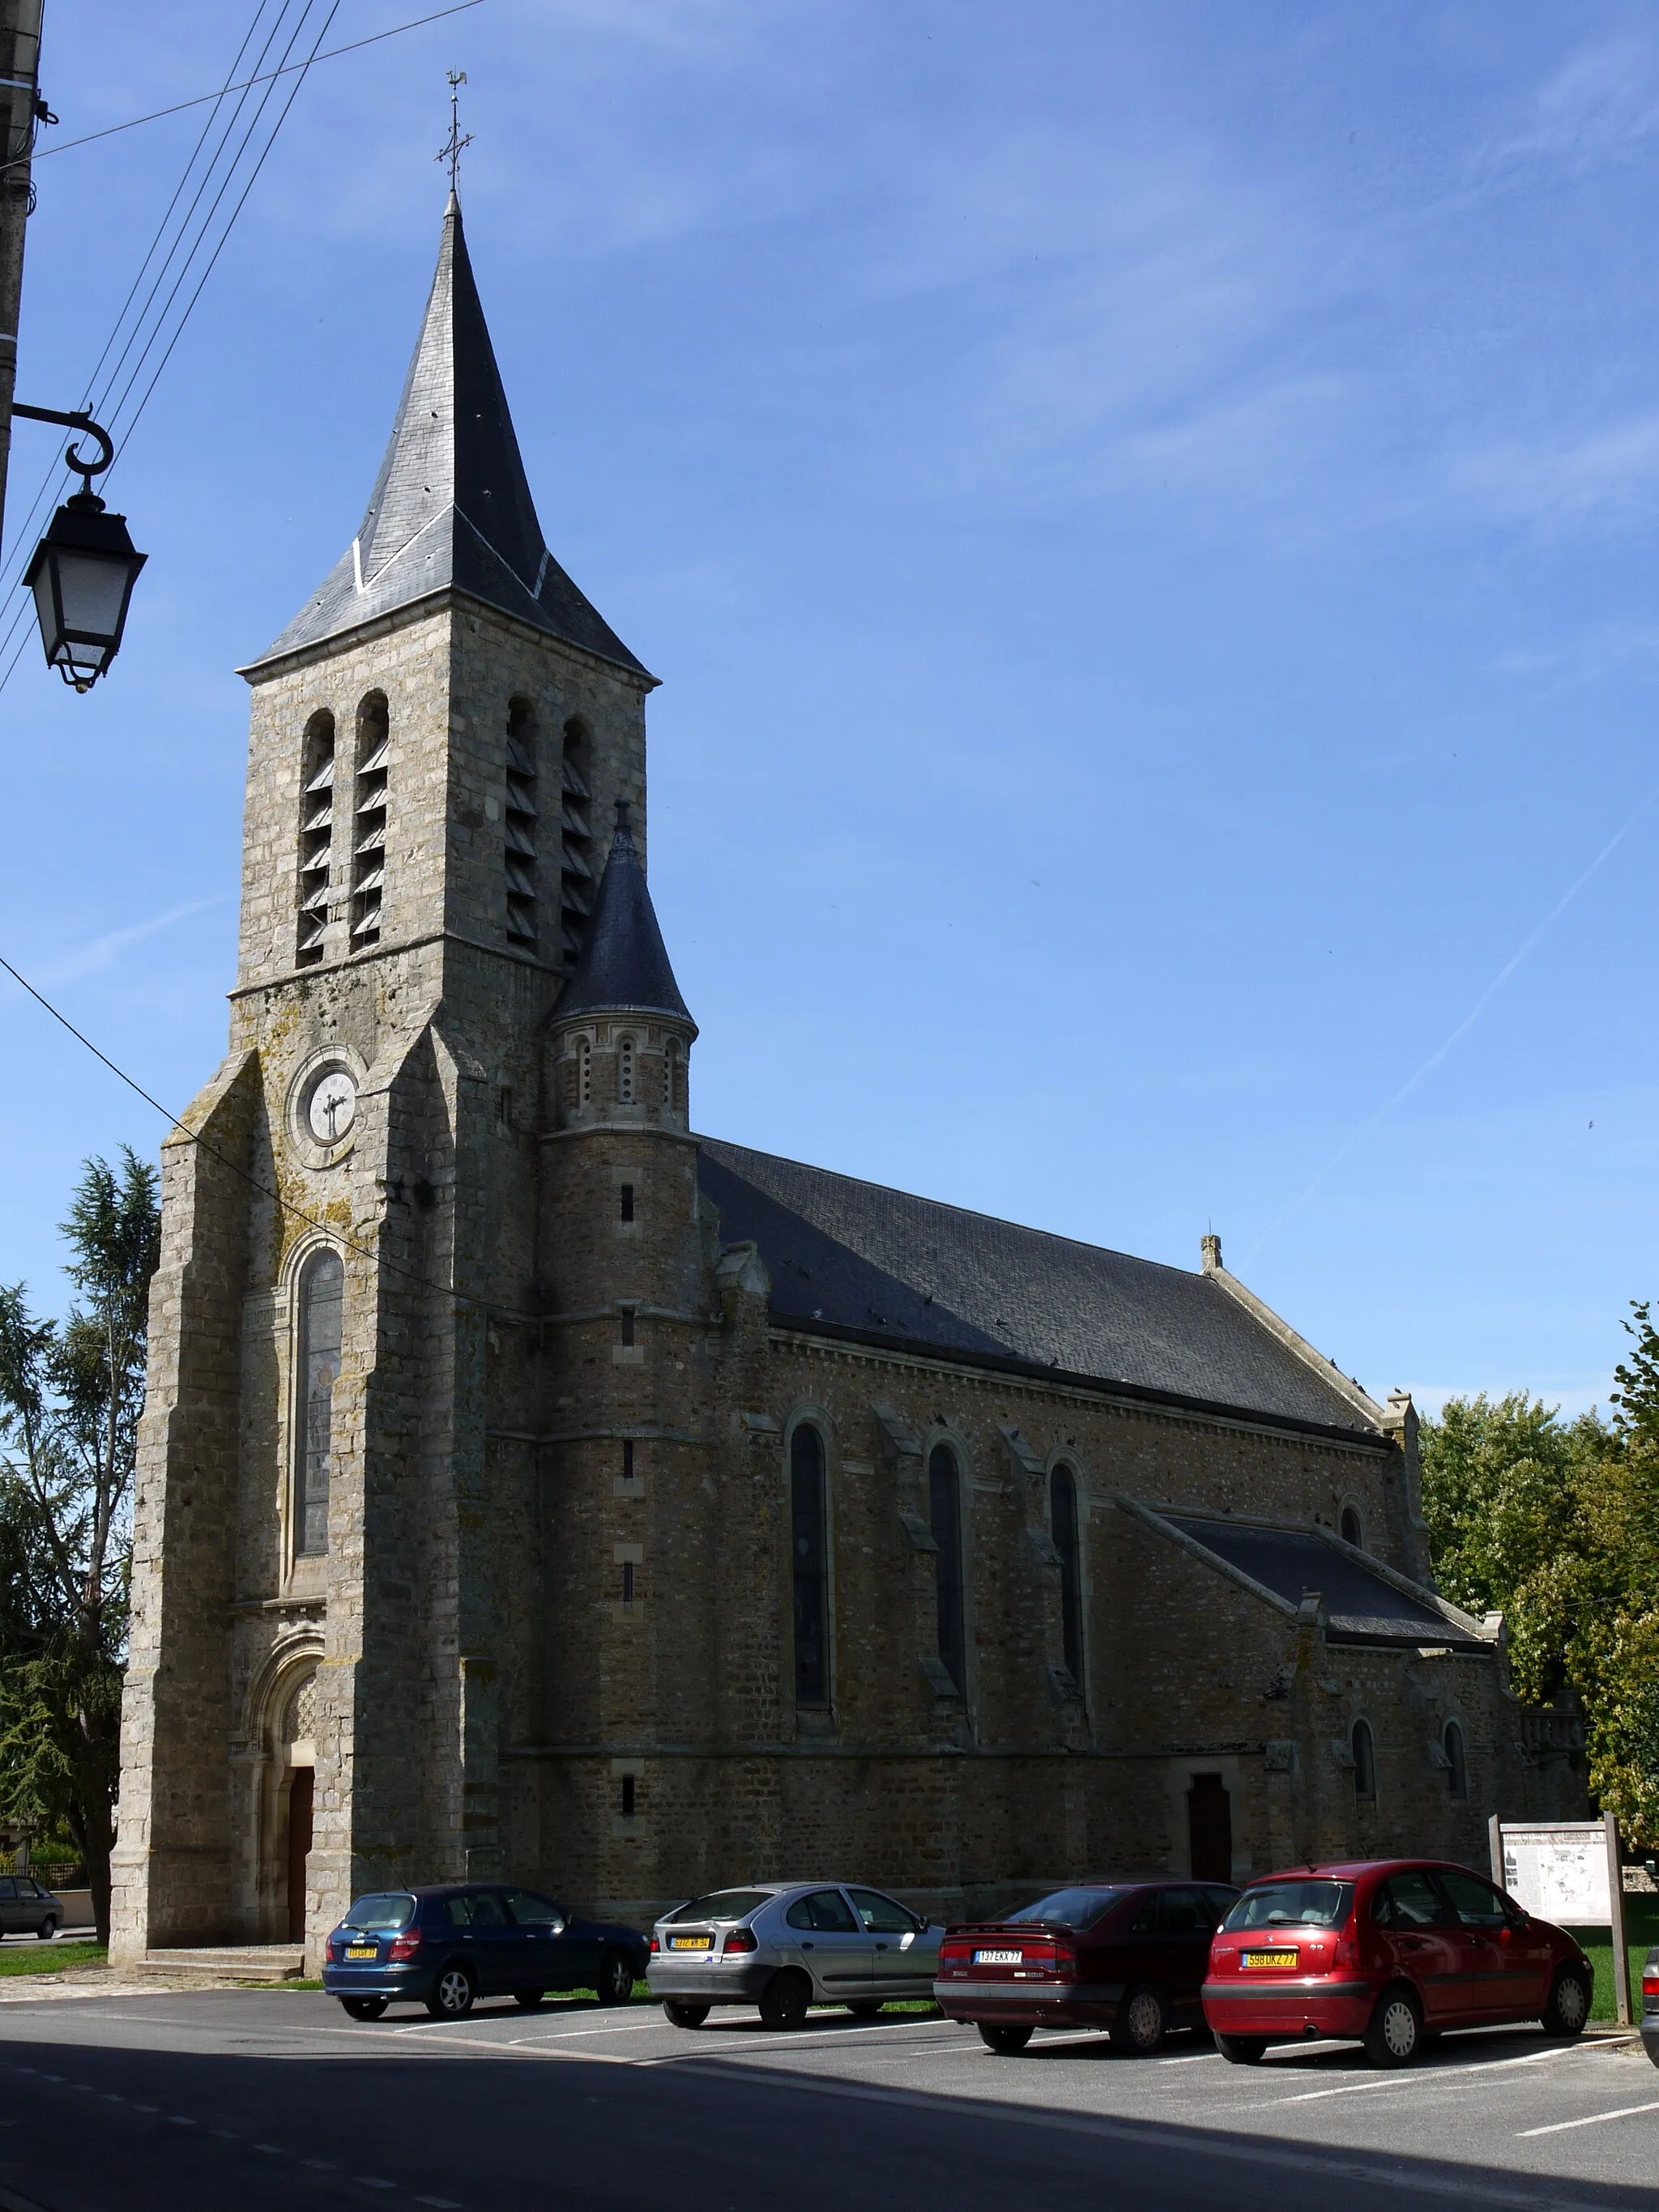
<point>1616,1909</point>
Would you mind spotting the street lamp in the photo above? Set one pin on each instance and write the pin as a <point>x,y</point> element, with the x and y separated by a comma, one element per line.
<point>83,570</point>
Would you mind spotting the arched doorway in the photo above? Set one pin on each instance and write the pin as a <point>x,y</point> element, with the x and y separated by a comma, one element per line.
<point>299,1795</point>
<point>1210,1828</point>
<point>290,1798</point>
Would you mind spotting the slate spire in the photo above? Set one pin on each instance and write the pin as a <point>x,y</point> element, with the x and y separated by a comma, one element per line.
<point>622,967</point>
<point>451,508</point>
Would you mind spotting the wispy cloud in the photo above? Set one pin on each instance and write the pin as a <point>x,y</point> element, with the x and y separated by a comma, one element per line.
<point>105,952</point>
<point>1600,102</point>
<point>1610,476</point>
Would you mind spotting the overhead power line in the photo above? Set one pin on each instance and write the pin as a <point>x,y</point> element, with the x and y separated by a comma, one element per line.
<point>180,107</point>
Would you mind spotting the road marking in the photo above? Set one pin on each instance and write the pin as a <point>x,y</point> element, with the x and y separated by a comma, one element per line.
<point>440,2203</point>
<point>1595,2120</point>
<point>372,2181</point>
<point>1344,2089</point>
<point>322,2165</point>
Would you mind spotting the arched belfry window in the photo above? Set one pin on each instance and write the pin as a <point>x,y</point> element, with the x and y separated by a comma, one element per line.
<point>521,813</point>
<point>809,1567</point>
<point>673,1077</point>
<point>944,1518</point>
<point>316,837</point>
<point>1351,1528</point>
<point>368,821</point>
<point>625,1070</point>
<point>1062,1521</point>
<point>322,1292</point>
<point>1365,1763</point>
<point>1457,1763</point>
<point>575,843</point>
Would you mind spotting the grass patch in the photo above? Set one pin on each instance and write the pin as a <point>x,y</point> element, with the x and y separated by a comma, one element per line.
<point>1642,1933</point>
<point>53,1957</point>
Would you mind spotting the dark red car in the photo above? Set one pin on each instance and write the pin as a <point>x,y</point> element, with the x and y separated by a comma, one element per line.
<point>1129,1956</point>
<point>1389,1952</point>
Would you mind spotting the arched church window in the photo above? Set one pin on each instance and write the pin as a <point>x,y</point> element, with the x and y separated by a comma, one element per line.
<point>521,812</point>
<point>368,821</point>
<point>316,836</point>
<point>1062,1521</point>
<point>1351,1528</point>
<point>809,1567</point>
<point>1365,1763</point>
<point>575,840</point>
<point>625,1070</point>
<point>322,1292</point>
<point>944,1518</point>
<point>1457,1763</point>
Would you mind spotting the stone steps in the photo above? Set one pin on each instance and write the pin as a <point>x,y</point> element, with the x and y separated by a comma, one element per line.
<point>230,1962</point>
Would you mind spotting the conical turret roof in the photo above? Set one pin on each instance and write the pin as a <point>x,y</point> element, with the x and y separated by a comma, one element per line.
<point>451,508</point>
<point>622,967</point>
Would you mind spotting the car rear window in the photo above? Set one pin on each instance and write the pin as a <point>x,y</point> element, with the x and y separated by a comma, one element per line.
<point>1073,1908</point>
<point>389,1909</point>
<point>723,1905</point>
<point>1311,1904</point>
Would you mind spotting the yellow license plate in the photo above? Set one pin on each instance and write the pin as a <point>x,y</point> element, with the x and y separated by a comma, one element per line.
<point>1268,1958</point>
<point>362,1950</point>
<point>690,1942</point>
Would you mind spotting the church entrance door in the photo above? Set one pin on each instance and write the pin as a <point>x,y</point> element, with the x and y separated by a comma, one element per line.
<point>1210,1828</point>
<point>300,1798</point>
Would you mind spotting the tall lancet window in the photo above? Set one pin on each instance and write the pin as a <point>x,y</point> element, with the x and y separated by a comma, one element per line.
<point>576,843</point>
<point>322,1290</point>
<point>522,928</point>
<point>944,1517</point>
<point>368,821</point>
<point>809,1567</point>
<point>316,836</point>
<point>1062,1504</point>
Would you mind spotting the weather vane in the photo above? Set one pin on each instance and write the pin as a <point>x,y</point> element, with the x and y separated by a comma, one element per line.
<point>450,150</point>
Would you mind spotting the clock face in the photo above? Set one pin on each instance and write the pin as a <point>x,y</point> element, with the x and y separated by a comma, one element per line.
<point>332,1106</point>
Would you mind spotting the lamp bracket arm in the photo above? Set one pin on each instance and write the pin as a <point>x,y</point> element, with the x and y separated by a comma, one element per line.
<point>75,419</point>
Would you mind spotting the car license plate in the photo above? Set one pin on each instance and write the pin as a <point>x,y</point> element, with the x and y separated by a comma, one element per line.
<point>690,1942</point>
<point>362,1950</point>
<point>1268,1958</point>
<point>997,1958</point>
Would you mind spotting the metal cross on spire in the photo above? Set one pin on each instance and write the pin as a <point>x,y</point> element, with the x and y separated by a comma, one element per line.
<point>450,151</point>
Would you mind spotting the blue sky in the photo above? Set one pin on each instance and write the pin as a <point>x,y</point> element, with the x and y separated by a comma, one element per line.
<point>1145,518</point>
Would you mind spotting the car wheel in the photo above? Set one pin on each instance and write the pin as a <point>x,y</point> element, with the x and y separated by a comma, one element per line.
<point>683,2014</point>
<point>528,1998</point>
<point>1139,2028</point>
<point>1004,2040</point>
<point>47,1929</point>
<point>785,1999</point>
<point>616,1982</point>
<point>363,2007</point>
<point>865,2007</point>
<point>1241,2049</point>
<point>1568,2008</point>
<point>1395,2034</point>
<point>452,1994</point>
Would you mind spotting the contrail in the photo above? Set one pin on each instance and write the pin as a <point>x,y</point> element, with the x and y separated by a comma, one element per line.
<point>1462,1030</point>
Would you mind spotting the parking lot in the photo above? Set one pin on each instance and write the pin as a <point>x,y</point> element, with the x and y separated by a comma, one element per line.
<point>267,2098</point>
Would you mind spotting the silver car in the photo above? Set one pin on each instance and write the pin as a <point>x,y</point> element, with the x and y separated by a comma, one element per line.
<point>784,1946</point>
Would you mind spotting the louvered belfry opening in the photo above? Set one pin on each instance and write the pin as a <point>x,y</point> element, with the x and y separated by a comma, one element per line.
<point>577,843</point>
<point>368,821</point>
<point>316,837</point>
<point>522,925</point>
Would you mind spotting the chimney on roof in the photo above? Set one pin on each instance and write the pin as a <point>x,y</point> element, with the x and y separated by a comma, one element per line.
<point>1210,1248</point>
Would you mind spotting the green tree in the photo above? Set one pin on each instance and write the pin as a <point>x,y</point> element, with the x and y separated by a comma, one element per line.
<point>71,1396</point>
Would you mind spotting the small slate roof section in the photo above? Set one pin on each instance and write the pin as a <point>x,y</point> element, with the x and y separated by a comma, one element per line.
<point>622,967</point>
<point>842,1251</point>
<point>451,508</point>
<point>1364,1607</point>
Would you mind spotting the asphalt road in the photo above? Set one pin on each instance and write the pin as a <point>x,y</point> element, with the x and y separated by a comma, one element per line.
<point>256,2099</point>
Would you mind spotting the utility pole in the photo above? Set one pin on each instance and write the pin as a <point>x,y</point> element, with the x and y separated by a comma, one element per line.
<point>20,68</point>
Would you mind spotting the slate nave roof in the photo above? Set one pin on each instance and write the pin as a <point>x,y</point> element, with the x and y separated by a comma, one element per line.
<point>882,1263</point>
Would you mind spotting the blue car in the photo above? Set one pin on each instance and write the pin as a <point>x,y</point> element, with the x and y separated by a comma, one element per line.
<point>446,1948</point>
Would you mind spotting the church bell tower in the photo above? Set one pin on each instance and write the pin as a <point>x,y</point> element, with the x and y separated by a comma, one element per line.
<point>340,1500</point>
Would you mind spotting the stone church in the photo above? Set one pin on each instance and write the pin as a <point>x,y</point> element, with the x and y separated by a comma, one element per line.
<point>531,1487</point>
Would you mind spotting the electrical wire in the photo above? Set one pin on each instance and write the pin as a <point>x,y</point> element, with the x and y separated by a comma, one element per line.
<point>181,107</point>
<point>310,1221</point>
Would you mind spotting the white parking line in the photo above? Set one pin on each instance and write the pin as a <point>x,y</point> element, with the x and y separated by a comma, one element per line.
<point>1594,2120</point>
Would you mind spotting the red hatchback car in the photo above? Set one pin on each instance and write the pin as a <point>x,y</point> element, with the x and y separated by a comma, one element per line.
<point>1389,1952</point>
